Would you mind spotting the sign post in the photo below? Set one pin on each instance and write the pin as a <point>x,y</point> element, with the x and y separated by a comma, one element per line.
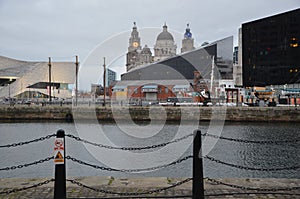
<point>198,186</point>
<point>60,166</point>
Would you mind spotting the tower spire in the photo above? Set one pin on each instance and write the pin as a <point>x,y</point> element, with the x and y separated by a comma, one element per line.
<point>188,41</point>
<point>188,26</point>
<point>165,27</point>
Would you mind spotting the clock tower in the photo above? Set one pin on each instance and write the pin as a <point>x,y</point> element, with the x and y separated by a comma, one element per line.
<point>134,40</point>
<point>133,48</point>
<point>188,40</point>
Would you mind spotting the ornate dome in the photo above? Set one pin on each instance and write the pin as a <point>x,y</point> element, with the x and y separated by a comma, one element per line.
<point>165,35</point>
<point>146,50</point>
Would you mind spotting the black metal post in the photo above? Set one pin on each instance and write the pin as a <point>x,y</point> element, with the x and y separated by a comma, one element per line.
<point>60,166</point>
<point>198,186</point>
<point>49,64</point>
<point>104,82</point>
<point>76,80</point>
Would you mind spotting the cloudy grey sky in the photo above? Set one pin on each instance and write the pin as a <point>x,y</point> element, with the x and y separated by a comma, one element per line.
<point>34,30</point>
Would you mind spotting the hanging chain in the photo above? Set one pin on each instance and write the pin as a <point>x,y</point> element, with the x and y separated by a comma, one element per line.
<point>217,182</point>
<point>129,148</point>
<point>90,165</point>
<point>252,141</point>
<point>26,188</point>
<point>132,193</point>
<point>128,170</point>
<point>27,164</point>
<point>250,168</point>
<point>27,142</point>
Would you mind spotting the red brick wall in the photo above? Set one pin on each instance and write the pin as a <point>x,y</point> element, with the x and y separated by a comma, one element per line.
<point>163,92</point>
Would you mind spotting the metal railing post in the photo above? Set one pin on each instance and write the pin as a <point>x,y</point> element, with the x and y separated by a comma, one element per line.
<point>198,186</point>
<point>60,166</point>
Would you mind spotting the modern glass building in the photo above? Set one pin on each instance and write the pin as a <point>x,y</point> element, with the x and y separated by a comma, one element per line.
<point>25,79</point>
<point>111,76</point>
<point>271,52</point>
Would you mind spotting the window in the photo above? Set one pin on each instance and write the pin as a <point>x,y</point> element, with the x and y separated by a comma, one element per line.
<point>166,90</point>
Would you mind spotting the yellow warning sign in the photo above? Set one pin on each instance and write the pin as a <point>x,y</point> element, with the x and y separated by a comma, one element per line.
<point>59,158</point>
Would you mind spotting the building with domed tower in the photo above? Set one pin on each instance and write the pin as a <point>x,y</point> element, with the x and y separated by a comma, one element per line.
<point>188,40</point>
<point>188,75</point>
<point>165,46</point>
<point>137,56</point>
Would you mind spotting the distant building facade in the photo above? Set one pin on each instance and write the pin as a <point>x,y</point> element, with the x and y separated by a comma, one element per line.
<point>270,50</point>
<point>137,55</point>
<point>110,76</point>
<point>96,89</point>
<point>165,47</point>
<point>175,76</point>
<point>188,40</point>
<point>30,80</point>
<point>235,55</point>
<point>237,61</point>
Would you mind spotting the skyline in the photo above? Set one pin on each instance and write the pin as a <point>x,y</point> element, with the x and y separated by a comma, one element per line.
<point>37,29</point>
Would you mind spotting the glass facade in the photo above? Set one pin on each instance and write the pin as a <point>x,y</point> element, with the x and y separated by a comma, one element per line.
<point>271,50</point>
<point>110,76</point>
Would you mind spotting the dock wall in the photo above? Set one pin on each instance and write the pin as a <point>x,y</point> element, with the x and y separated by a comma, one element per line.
<point>255,114</point>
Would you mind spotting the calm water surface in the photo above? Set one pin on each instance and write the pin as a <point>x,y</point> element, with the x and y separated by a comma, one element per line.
<point>246,154</point>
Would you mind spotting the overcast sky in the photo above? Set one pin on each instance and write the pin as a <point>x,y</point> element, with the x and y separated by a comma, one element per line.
<point>34,30</point>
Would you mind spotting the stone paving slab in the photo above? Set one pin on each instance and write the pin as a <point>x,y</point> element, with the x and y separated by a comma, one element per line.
<point>134,185</point>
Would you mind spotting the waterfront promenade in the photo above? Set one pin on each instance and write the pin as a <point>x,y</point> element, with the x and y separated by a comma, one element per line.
<point>138,185</point>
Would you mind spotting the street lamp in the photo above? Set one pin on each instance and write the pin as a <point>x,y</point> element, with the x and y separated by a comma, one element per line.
<point>76,80</point>
<point>28,91</point>
<point>49,64</point>
<point>104,81</point>
<point>9,82</point>
<point>9,91</point>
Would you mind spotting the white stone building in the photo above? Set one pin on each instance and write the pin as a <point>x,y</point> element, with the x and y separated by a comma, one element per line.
<point>165,46</point>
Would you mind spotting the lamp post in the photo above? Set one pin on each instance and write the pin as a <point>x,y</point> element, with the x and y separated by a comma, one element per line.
<point>28,92</point>
<point>76,81</point>
<point>9,91</point>
<point>49,64</point>
<point>104,81</point>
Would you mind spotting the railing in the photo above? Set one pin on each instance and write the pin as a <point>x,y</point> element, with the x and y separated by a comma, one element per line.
<point>197,187</point>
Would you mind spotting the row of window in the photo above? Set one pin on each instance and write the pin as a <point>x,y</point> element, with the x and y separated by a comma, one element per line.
<point>136,90</point>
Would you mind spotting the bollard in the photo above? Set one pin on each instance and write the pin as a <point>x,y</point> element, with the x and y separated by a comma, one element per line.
<point>198,186</point>
<point>60,166</point>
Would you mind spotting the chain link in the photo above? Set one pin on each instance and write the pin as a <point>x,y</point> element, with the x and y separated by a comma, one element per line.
<point>26,188</point>
<point>251,141</point>
<point>217,182</point>
<point>90,165</point>
<point>251,168</point>
<point>27,164</point>
<point>128,148</point>
<point>128,170</point>
<point>132,193</point>
<point>27,142</point>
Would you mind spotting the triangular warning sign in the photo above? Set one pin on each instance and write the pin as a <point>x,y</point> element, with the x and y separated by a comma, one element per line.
<point>59,158</point>
<point>59,155</point>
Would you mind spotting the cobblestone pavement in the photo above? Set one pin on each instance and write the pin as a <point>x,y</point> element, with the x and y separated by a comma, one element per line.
<point>138,185</point>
